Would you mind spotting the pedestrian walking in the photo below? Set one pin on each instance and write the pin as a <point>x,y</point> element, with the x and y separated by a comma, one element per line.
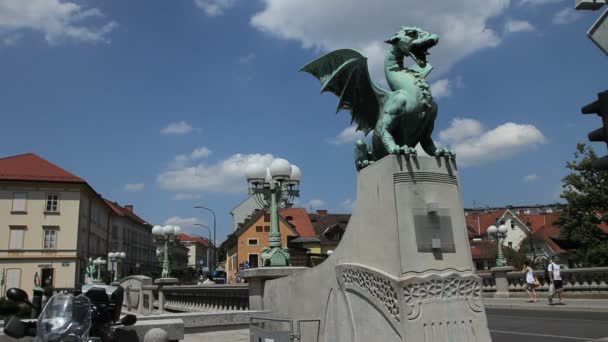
<point>531,282</point>
<point>556,285</point>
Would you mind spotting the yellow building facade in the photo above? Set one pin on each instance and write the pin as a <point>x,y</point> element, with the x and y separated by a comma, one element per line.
<point>51,223</point>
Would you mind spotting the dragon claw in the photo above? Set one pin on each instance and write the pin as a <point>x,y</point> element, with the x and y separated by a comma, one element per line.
<point>440,152</point>
<point>408,151</point>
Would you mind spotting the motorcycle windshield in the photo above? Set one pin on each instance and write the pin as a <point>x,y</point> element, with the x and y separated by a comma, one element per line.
<point>65,318</point>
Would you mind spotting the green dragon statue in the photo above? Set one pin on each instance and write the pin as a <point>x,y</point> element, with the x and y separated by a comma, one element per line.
<point>400,118</point>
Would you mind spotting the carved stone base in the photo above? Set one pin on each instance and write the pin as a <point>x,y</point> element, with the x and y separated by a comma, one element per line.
<point>403,270</point>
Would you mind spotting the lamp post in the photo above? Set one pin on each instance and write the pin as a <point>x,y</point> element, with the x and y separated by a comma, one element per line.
<point>499,234</point>
<point>98,262</point>
<point>274,187</point>
<point>214,236</point>
<point>116,258</point>
<point>167,233</point>
<point>209,239</point>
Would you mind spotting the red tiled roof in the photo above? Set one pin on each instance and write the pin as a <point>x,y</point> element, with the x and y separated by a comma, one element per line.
<point>483,249</point>
<point>547,234</point>
<point>185,237</point>
<point>300,220</point>
<point>31,167</point>
<point>121,211</point>
<point>479,222</point>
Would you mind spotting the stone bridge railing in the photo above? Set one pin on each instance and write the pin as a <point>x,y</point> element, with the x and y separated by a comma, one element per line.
<point>591,282</point>
<point>147,299</point>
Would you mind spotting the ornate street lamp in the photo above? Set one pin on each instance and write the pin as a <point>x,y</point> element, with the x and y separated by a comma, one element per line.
<point>116,258</point>
<point>167,233</point>
<point>214,237</point>
<point>208,247</point>
<point>98,263</point>
<point>273,188</point>
<point>499,234</point>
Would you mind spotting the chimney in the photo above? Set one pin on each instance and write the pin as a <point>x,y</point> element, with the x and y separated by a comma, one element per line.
<point>129,207</point>
<point>521,212</point>
<point>322,212</point>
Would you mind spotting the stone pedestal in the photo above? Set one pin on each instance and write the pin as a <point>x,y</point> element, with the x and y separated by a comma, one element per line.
<point>257,277</point>
<point>403,270</point>
<point>502,284</point>
<point>161,282</point>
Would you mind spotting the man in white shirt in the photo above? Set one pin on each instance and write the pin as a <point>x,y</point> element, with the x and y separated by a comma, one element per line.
<point>556,280</point>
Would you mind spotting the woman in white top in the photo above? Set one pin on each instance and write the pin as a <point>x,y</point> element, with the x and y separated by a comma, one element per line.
<point>530,286</point>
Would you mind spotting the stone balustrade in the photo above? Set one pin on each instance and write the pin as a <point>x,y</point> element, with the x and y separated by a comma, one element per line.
<point>584,282</point>
<point>207,298</point>
<point>188,298</point>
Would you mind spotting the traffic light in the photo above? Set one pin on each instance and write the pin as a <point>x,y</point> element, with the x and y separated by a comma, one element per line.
<point>599,107</point>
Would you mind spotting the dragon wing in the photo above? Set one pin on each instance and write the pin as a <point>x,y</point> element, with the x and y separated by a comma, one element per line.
<point>344,72</point>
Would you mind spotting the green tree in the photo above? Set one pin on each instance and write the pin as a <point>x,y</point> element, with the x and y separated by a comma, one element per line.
<point>586,194</point>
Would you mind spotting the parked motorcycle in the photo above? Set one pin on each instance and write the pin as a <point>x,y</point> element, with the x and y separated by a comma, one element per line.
<point>89,316</point>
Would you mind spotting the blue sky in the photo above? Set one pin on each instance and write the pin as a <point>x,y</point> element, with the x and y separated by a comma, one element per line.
<point>161,103</point>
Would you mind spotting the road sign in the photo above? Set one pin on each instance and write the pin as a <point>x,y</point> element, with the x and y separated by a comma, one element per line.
<point>599,32</point>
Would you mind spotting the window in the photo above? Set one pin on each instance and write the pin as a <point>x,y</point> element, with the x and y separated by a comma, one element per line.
<point>252,242</point>
<point>510,244</point>
<point>259,229</point>
<point>19,202</point>
<point>13,278</point>
<point>16,237</point>
<point>52,203</point>
<point>50,237</point>
<point>267,217</point>
<point>266,228</point>
<point>253,260</point>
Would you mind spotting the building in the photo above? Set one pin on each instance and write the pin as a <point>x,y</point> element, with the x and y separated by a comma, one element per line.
<point>532,228</point>
<point>246,243</point>
<point>200,251</point>
<point>329,229</point>
<point>131,234</point>
<point>243,210</point>
<point>51,223</point>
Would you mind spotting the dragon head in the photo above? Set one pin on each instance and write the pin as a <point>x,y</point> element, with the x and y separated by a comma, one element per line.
<point>413,42</point>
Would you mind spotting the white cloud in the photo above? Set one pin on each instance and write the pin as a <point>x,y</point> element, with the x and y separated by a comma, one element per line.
<point>201,152</point>
<point>348,204</point>
<point>474,147</point>
<point>134,187</point>
<point>314,204</point>
<point>246,59</point>
<point>178,128</point>
<point>183,222</point>
<point>531,177</point>
<point>512,26</point>
<point>460,129</point>
<point>566,16</point>
<point>349,134</point>
<point>538,2</point>
<point>364,25</point>
<point>11,39</point>
<point>441,88</point>
<point>226,176</point>
<point>184,196</point>
<point>213,8</point>
<point>56,20</point>
<point>183,159</point>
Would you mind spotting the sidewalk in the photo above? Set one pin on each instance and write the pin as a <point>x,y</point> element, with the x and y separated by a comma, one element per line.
<point>238,335</point>
<point>598,305</point>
